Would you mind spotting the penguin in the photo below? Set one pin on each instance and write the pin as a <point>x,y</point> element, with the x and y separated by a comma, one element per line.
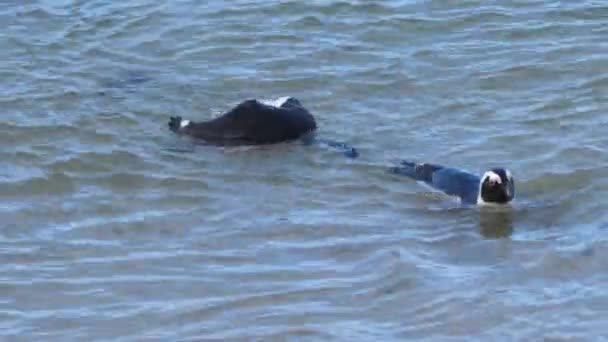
<point>496,186</point>
<point>257,122</point>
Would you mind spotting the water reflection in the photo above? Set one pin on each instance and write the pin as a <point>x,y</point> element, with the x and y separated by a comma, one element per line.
<point>495,223</point>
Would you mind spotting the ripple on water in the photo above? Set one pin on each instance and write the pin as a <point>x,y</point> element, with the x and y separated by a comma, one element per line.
<point>109,233</point>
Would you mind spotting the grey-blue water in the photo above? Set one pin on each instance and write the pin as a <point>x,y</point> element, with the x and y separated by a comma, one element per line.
<point>108,234</point>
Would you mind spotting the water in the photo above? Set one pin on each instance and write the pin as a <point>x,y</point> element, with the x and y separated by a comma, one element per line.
<point>108,234</point>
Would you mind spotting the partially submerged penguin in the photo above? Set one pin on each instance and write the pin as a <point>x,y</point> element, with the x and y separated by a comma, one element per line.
<point>255,122</point>
<point>495,186</point>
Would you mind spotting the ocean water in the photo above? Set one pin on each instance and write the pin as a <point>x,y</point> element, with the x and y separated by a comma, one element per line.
<point>109,233</point>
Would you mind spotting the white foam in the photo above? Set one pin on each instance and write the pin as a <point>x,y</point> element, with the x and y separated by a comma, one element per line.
<point>184,123</point>
<point>276,102</point>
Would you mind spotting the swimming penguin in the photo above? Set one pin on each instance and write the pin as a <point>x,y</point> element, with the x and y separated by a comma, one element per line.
<point>496,186</point>
<point>255,122</point>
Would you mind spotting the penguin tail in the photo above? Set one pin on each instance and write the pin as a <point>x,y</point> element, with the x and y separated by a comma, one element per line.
<point>175,123</point>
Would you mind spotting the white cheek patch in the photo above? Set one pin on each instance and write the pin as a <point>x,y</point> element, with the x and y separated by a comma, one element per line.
<point>184,123</point>
<point>493,177</point>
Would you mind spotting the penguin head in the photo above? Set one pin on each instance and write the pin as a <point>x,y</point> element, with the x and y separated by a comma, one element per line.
<point>497,186</point>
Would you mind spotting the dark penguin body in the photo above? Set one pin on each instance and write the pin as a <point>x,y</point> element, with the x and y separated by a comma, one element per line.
<point>254,122</point>
<point>251,122</point>
<point>496,186</point>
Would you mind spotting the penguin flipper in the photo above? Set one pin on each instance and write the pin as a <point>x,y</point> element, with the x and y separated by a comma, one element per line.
<point>418,171</point>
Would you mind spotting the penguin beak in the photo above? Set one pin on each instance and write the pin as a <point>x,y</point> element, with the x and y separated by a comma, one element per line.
<point>501,186</point>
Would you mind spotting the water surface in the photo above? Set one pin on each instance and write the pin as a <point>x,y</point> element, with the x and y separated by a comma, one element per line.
<point>108,234</point>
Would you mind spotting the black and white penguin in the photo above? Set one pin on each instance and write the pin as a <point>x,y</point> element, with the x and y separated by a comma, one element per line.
<point>257,122</point>
<point>495,186</point>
